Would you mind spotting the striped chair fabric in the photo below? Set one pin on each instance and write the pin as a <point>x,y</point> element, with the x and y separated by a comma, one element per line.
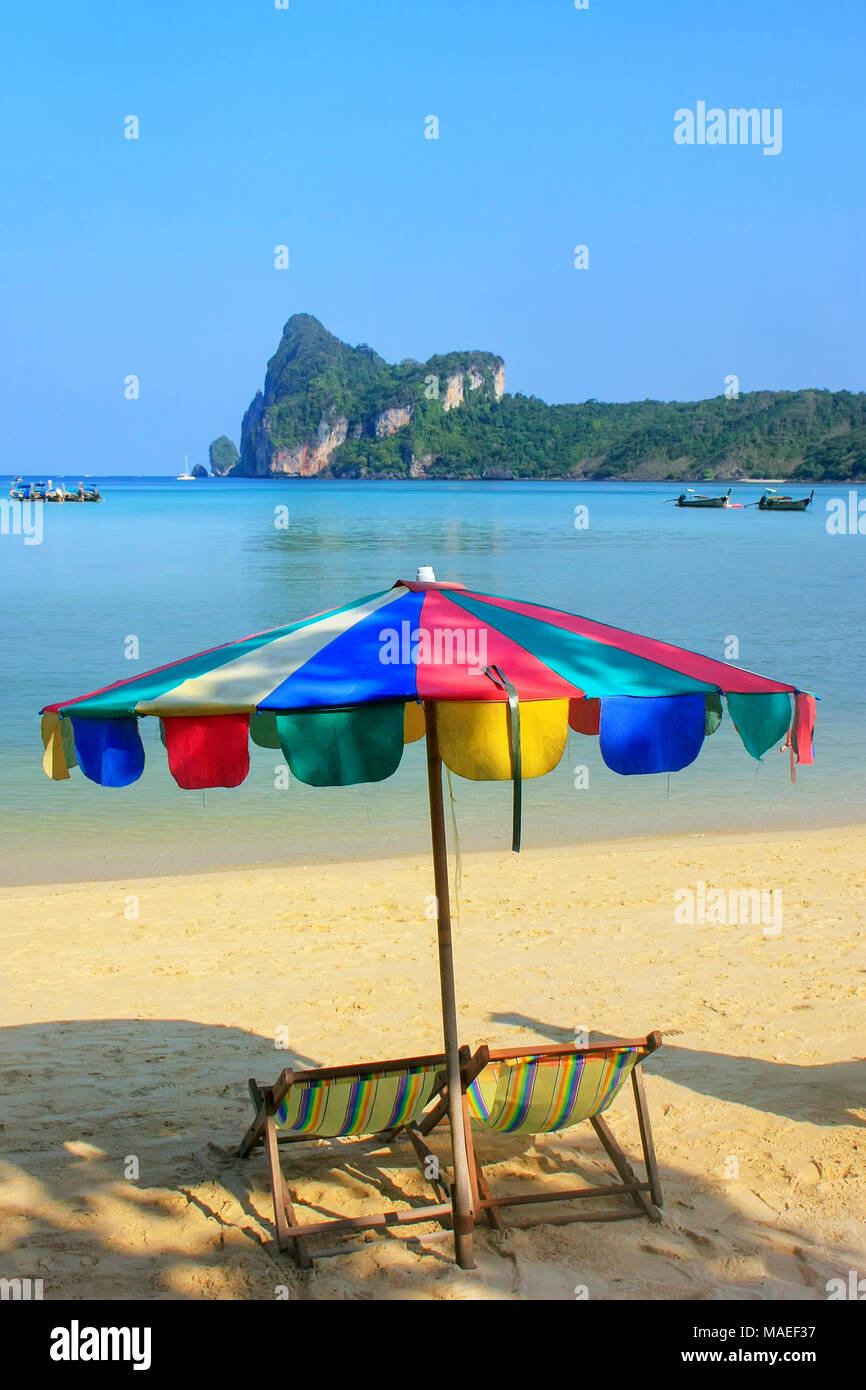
<point>361,1104</point>
<point>535,1095</point>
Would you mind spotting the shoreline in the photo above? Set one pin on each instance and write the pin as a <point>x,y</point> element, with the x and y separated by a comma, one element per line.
<point>314,861</point>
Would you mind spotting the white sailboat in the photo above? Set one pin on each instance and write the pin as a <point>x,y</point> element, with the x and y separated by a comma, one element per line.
<point>185,476</point>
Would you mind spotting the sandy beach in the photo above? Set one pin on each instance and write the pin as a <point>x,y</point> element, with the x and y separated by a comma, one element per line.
<point>134,1012</point>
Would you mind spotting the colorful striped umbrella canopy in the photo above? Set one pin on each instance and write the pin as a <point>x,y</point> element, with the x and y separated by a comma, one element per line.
<point>355,666</point>
<point>493,682</point>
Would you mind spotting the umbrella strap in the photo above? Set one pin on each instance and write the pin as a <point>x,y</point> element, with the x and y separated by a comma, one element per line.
<point>501,681</point>
<point>455,840</point>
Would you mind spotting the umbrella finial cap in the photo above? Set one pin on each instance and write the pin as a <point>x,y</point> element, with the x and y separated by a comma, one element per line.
<point>425,575</point>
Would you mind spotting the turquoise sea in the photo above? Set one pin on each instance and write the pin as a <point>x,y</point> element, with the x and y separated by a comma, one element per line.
<point>186,566</point>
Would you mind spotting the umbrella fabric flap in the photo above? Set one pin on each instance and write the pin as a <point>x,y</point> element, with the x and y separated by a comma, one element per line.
<point>109,751</point>
<point>208,751</point>
<point>659,734</point>
<point>803,727</point>
<point>263,729</point>
<point>67,738</point>
<point>584,716</point>
<point>54,761</point>
<point>413,723</point>
<point>474,740</point>
<point>340,748</point>
<point>712,714</point>
<point>760,720</point>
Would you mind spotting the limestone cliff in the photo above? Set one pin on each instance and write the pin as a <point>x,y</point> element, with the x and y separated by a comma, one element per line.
<point>223,456</point>
<point>330,408</point>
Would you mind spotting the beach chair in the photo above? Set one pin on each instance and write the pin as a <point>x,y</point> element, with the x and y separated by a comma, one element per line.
<point>381,1099</point>
<point>550,1089</point>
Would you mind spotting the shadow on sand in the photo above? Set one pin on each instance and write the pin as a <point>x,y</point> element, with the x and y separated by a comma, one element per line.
<point>826,1094</point>
<point>120,1180</point>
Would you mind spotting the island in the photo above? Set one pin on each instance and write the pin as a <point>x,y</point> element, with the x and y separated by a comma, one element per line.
<point>330,410</point>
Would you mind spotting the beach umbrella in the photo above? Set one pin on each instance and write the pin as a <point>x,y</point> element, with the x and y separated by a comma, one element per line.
<point>493,683</point>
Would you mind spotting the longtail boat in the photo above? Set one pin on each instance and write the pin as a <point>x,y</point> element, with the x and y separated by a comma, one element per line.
<point>772,502</point>
<point>24,492</point>
<point>698,499</point>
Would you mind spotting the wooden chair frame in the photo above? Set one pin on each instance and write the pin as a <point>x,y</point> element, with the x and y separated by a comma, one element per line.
<point>290,1232</point>
<point>646,1196</point>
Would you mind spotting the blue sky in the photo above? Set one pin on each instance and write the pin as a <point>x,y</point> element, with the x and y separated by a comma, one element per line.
<point>305,127</point>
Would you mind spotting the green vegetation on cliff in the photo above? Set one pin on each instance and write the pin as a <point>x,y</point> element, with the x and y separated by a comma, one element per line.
<point>339,411</point>
<point>223,455</point>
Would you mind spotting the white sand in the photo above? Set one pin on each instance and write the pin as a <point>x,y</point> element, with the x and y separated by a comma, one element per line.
<point>127,1037</point>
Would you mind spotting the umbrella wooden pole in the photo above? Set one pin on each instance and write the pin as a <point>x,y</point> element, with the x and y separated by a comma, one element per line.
<point>464,1216</point>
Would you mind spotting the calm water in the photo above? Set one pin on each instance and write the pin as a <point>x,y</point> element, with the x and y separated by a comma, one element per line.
<point>185,566</point>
